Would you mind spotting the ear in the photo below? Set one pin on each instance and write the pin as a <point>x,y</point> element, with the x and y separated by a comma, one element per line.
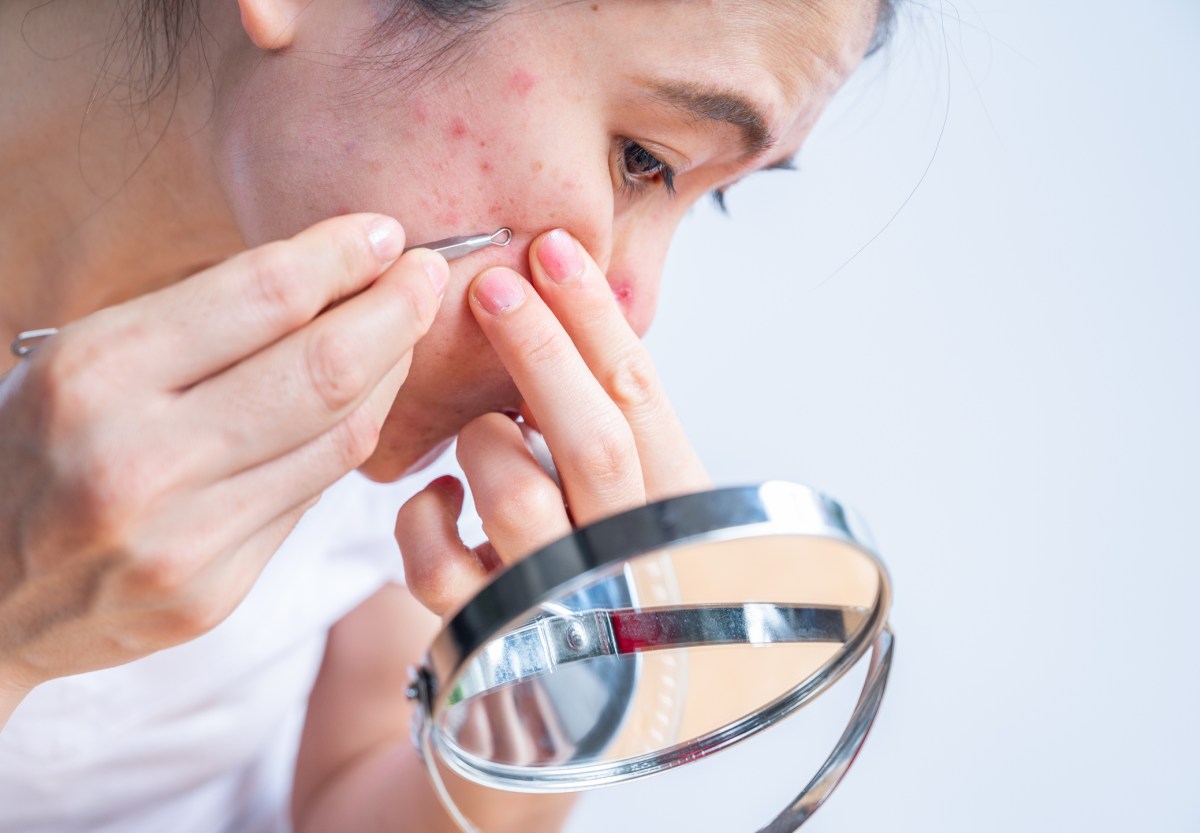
<point>271,24</point>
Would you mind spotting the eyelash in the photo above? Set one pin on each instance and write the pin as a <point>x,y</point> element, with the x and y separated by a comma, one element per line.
<point>653,169</point>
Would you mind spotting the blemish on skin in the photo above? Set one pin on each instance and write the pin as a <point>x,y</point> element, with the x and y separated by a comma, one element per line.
<point>485,166</point>
<point>623,292</point>
<point>420,112</point>
<point>482,143</point>
<point>375,166</point>
<point>536,167</point>
<point>595,7</point>
<point>458,128</point>
<point>448,219</point>
<point>521,83</point>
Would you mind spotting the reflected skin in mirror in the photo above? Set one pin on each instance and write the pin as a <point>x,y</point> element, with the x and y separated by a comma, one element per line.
<point>538,129</point>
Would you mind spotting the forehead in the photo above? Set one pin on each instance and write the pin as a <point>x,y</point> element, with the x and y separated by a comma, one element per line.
<point>784,56</point>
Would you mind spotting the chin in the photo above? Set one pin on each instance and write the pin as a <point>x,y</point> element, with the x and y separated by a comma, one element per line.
<point>389,464</point>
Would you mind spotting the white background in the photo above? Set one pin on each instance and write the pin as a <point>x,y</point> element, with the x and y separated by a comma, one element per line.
<point>1004,383</point>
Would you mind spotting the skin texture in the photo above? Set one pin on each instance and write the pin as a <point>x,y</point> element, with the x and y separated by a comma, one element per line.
<point>522,138</point>
<point>283,121</point>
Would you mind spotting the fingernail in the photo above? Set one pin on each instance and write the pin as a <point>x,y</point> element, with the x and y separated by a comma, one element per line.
<point>449,484</point>
<point>499,291</point>
<point>437,270</point>
<point>386,237</point>
<point>559,256</point>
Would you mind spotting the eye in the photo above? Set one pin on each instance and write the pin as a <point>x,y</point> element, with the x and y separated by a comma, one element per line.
<point>640,168</point>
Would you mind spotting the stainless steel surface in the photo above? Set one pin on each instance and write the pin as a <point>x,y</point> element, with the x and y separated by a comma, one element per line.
<point>24,343</point>
<point>490,679</point>
<point>551,642</point>
<point>838,763</point>
<point>450,248</point>
<point>453,247</point>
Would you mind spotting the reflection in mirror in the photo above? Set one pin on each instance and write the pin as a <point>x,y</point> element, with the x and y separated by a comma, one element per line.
<point>660,651</point>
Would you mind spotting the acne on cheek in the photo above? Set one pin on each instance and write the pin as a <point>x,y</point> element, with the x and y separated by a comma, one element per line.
<point>521,82</point>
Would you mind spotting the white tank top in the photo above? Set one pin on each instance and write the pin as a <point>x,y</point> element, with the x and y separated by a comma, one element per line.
<point>203,737</point>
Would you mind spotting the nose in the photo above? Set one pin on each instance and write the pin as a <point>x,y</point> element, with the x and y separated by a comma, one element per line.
<point>639,244</point>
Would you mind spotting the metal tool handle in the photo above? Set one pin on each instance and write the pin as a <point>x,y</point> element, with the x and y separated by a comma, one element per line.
<point>24,343</point>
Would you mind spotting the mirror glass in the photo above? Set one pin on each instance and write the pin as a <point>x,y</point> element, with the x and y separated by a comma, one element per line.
<point>646,657</point>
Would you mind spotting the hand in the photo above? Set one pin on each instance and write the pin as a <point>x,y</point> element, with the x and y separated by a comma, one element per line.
<point>588,383</point>
<point>155,454</point>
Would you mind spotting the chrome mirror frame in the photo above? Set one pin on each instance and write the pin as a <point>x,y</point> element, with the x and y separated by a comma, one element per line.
<point>773,508</point>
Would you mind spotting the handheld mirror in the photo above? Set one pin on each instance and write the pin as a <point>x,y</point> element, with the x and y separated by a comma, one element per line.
<point>655,638</point>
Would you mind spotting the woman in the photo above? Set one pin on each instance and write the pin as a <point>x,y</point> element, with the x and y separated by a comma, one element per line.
<point>208,385</point>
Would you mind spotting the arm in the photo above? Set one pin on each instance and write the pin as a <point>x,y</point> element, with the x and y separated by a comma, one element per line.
<point>358,771</point>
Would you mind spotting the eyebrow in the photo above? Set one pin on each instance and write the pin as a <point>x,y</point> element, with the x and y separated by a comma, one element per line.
<point>719,106</point>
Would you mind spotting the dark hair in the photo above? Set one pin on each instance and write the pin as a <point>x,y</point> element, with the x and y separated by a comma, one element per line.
<point>164,27</point>
<point>885,23</point>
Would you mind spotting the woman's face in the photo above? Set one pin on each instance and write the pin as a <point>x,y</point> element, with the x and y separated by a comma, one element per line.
<point>553,115</point>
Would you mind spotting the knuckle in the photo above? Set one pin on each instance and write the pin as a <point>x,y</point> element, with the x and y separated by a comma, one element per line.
<point>276,284</point>
<point>335,369</point>
<point>632,384</point>
<point>530,504</point>
<point>542,347</point>
<point>357,437</point>
<point>110,489</point>
<point>607,457</point>
<point>354,253</point>
<point>69,393</point>
<point>417,302</point>
<point>432,582</point>
<point>159,576</point>
<point>192,616</point>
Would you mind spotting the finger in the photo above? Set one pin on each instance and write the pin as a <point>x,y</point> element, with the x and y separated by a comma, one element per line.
<point>179,335</point>
<point>520,504</point>
<point>301,386</point>
<point>579,295</point>
<point>591,442</point>
<point>440,570</point>
<point>233,510</point>
<point>201,604</point>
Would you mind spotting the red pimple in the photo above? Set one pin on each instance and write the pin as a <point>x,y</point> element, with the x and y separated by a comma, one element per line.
<point>623,293</point>
<point>420,112</point>
<point>458,128</point>
<point>521,83</point>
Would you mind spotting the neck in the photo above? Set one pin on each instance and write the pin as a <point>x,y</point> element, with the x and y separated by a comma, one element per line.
<point>110,195</point>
